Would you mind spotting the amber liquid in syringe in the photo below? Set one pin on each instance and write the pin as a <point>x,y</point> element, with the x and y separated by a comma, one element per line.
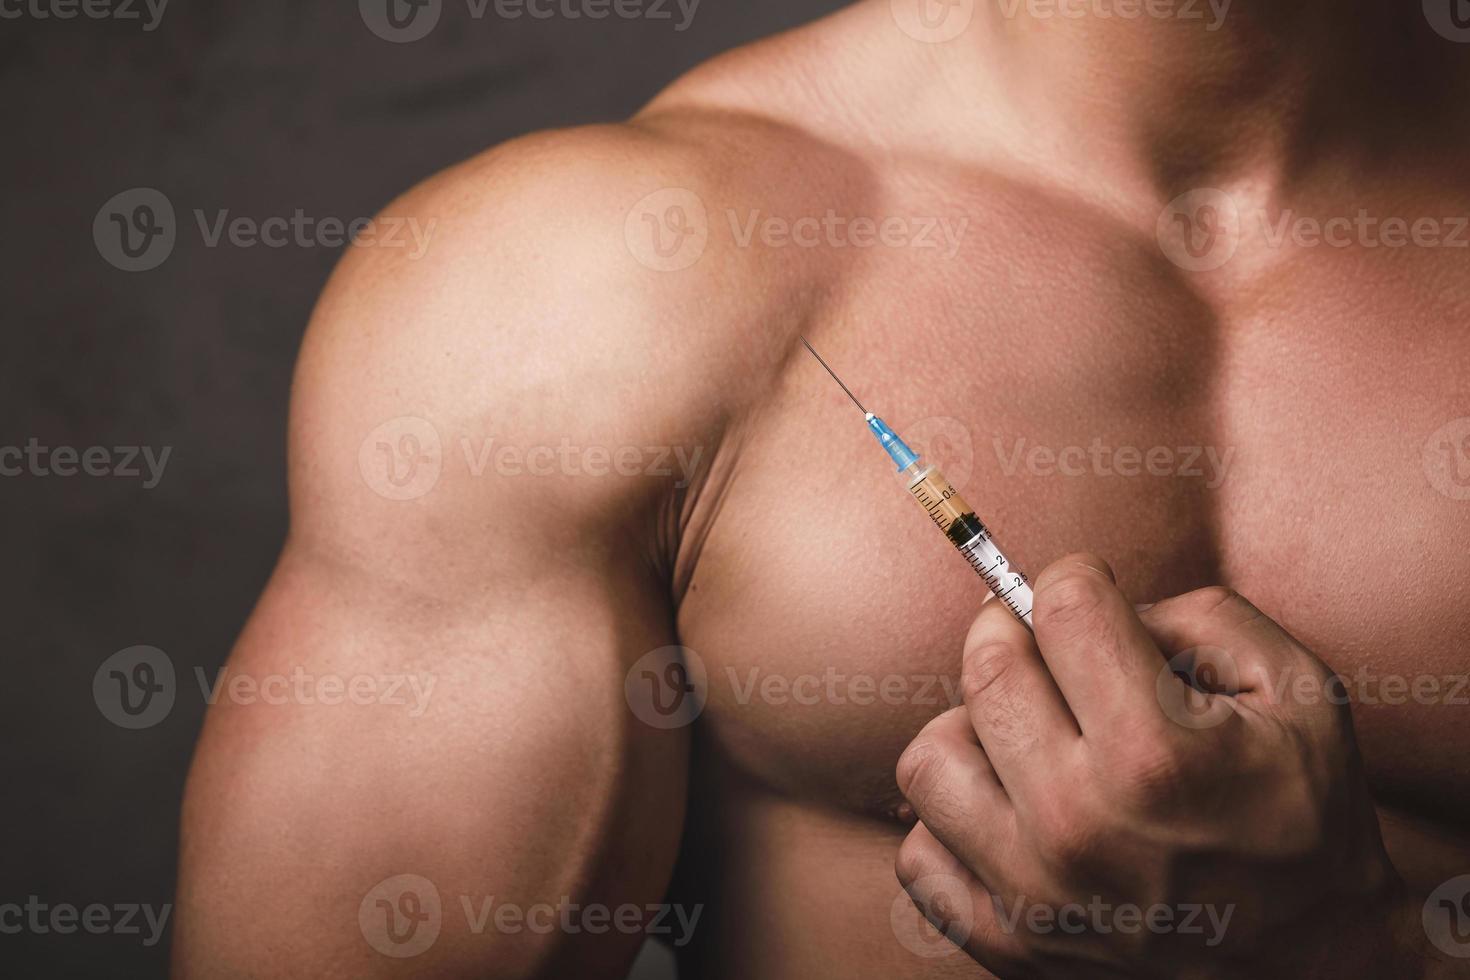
<point>948,510</point>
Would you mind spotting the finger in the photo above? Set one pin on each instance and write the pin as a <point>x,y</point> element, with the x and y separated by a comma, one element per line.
<point>947,779</point>
<point>1224,644</point>
<point>1105,662</point>
<point>1014,705</point>
<point>954,901</point>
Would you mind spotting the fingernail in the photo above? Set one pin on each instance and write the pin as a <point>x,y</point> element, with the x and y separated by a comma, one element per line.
<point>1144,606</point>
<point>1098,566</point>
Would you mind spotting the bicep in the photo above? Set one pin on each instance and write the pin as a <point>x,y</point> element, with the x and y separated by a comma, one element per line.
<point>503,611</point>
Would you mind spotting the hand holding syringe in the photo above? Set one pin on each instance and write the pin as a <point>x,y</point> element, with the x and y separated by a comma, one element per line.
<point>949,512</point>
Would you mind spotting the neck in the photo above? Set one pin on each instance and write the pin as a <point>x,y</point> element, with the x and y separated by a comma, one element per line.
<point>1164,94</point>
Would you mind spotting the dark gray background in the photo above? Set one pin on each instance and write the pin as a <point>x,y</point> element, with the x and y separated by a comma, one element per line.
<point>262,108</point>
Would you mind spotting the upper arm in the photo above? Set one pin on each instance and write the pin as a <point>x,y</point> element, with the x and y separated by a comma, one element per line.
<point>445,554</point>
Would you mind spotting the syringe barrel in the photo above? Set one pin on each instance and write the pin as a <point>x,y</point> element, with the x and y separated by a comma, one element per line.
<point>949,512</point>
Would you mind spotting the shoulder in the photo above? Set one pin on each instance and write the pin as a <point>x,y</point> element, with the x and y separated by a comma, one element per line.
<point>595,286</point>
<point>501,321</point>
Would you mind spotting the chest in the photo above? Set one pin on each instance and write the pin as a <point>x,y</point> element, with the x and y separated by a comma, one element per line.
<point>1311,450</point>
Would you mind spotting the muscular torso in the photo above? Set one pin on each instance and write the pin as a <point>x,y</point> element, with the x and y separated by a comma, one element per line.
<point>1288,403</point>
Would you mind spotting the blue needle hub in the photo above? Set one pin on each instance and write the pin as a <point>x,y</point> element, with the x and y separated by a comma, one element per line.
<point>891,443</point>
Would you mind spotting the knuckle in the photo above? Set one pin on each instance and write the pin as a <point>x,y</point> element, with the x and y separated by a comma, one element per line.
<point>989,673</point>
<point>919,770</point>
<point>1065,834</point>
<point>1081,558</point>
<point>1223,602</point>
<point>1150,774</point>
<point>1073,846</point>
<point>1074,603</point>
<point>1213,596</point>
<point>911,863</point>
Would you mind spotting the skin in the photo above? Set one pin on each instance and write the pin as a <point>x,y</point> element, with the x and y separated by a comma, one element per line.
<point>540,317</point>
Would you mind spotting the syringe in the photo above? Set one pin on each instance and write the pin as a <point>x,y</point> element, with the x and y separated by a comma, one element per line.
<point>949,512</point>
